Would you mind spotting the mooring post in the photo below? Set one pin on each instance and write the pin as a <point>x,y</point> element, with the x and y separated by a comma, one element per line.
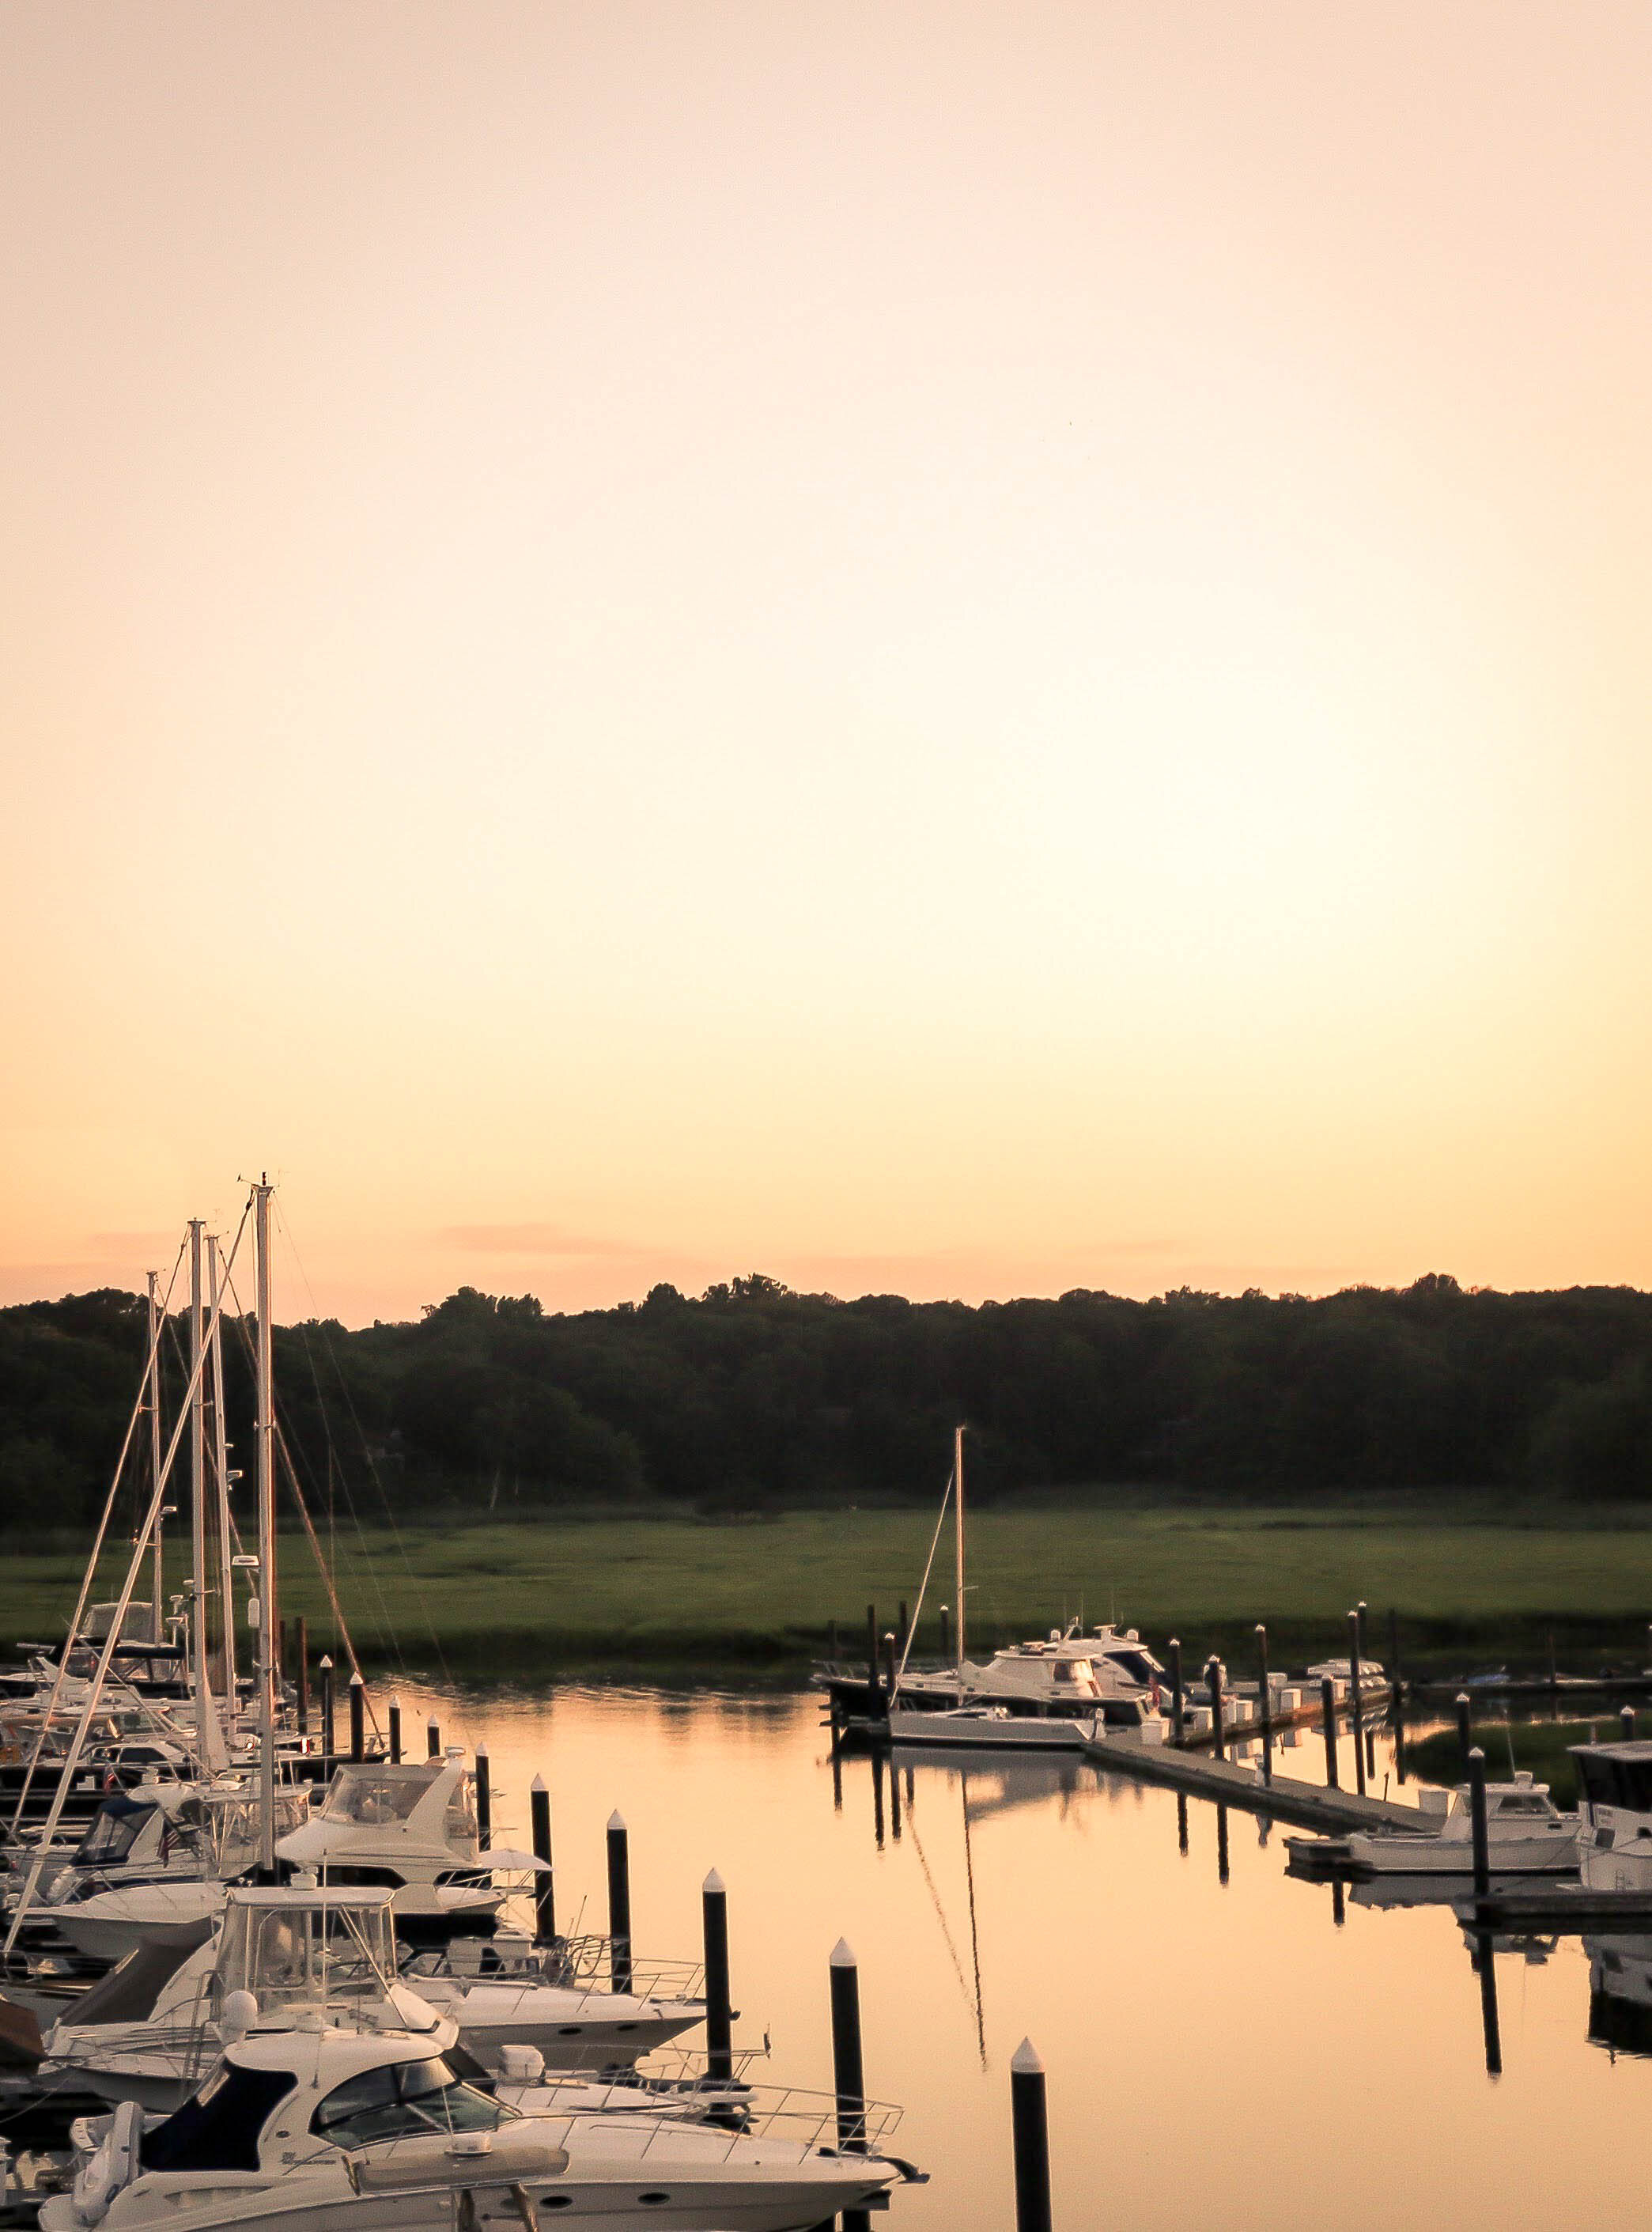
<point>1465,1732</point>
<point>1265,1702</point>
<point>1394,1650</point>
<point>1626,1723</point>
<point>946,1634</point>
<point>327,1716</point>
<point>1356,1621</point>
<point>1173,1653</point>
<point>871,1649</point>
<point>618,1903</point>
<point>1359,1613</point>
<point>544,1880</point>
<point>1554,1671</point>
<point>395,1731</point>
<point>905,1627</point>
<point>432,1739</point>
<point>1477,1823</point>
<point>848,2073</point>
<point>1328,1714</point>
<point>484,1799</point>
<point>1213,1683</point>
<point>1030,2122</point>
<point>719,2016</point>
<point>283,1660</point>
<point>357,1720</point>
<point>301,1667</point>
<point>889,1672</point>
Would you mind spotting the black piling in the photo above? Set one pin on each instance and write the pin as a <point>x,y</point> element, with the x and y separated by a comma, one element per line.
<point>1626,1723</point>
<point>432,1739</point>
<point>1359,1614</point>
<point>1554,1671</point>
<point>946,1635</point>
<point>1265,1702</point>
<point>544,1880</point>
<point>889,1672</point>
<point>395,1731</point>
<point>302,1668</point>
<point>905,1627</point>
<point>484,1799</point>
<point>871,1649</point>
<point>1465,1729</point>
<point>1173,1653</point>
<point>1394,1651</point>
<point>618,1903</point>
<point>1213,1683</point>
<point>1030,2123</point>
<point>719,2015</point>
<point>1328,1715</point>
<point>1356,1623</point>
<point>328,1749</point>
<point>1482,1854</point>
<point>357,1720</point>
<point>848,2071</point>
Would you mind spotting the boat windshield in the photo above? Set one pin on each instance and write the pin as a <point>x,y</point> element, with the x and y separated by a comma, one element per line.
<point>375,1795</point>
<point>114,1833</point>
<point>229,1823</point>
<point>307,1954</point>
<point>401,2100</point>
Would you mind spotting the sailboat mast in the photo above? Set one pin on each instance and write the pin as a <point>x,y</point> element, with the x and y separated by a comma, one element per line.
<point>266,1475</point>
<point>159,1632</point>
<point>957,1520</point>
<point>197,1502</point>
<point>225,1578</point>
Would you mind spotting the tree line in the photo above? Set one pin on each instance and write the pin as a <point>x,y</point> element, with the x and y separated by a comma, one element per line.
<point>751,1398</point>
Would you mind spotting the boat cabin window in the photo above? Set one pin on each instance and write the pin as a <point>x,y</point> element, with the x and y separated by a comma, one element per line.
<point>373,1797</point>
<point>406,2097</point>
<point>1136,1664</point>
<point>1608,1781</point>
<point>1522,1806</point>
<point>114,1833</point>
<point>305,1954</point>
<point>220,2128</point>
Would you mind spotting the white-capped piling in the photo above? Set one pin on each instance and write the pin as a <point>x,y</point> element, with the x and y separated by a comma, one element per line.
<point>618,1903</point>
<point>1030,2124</point>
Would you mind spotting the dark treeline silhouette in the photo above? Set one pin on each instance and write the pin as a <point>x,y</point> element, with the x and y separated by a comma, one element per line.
<point>753,1397</point>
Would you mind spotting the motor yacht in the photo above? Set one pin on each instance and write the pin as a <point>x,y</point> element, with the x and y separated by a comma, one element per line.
<point>322,2129</point>
<point>1060,1676</point>
<point>409,1829</point>
<point>1614,1808</point>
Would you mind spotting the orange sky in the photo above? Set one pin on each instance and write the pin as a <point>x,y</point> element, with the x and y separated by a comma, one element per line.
<point>970,649</point>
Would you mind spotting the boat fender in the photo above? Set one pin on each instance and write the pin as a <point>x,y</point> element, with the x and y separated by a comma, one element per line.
<point>112,2167</point>
<point>523,2065</point>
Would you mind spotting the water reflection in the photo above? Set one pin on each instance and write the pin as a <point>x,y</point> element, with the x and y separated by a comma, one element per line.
<point>1042,1897</point>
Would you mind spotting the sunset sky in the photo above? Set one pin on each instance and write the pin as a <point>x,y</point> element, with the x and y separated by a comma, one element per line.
<point>962,649</point>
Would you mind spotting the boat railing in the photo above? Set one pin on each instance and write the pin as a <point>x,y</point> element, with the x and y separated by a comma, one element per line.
<point>588,1962</point>
<point>798,2116</point>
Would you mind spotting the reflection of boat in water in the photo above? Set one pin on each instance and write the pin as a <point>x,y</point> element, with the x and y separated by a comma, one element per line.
<point>1620,1994</point>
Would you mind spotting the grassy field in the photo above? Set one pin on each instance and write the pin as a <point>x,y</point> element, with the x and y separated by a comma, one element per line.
<point>508,1598</point>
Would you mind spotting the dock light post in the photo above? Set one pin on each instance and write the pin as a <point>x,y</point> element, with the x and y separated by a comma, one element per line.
<point>1265,1702</point>
<point>395,1731</point>
<point>301,1642</point>
<point>327,1716</point>
<point>1477,1822</point>
<point>1464,1734</point>
<point>619,1903</point>
<point>1328,1715</point>
<point>1213,1683</point>
<point>719,2015</point>
<point>357,1720</point>
<point>1356,1622</point>
<point>848,2074</point>
<point>1030,2122</point>
<point>1173,1653</point>
<point>544,1880</point>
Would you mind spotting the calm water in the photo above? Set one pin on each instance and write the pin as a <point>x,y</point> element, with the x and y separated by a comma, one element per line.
<point>1219,2051</point>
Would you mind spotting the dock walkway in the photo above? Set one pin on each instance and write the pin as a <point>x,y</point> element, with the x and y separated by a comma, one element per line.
<point>1226,1782</point>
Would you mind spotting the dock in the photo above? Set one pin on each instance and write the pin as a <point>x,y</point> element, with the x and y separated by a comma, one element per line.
<point>1229,1782</point>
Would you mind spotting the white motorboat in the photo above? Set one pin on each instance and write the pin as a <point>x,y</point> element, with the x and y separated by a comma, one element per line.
<point>987,1728</point>
<point>150,2029</point>
<point>1062,1674</point>
<point>1614,1808</point>
<point>317,2129</point>
<point>1525,1833</point>
<point>411,1829</point>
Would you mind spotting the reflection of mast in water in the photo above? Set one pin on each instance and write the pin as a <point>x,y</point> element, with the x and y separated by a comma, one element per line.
<point>1489,2003</point>
<point>975,1935</point>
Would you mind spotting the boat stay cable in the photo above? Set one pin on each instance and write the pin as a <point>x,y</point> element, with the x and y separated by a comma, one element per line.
<point>934,1543</point>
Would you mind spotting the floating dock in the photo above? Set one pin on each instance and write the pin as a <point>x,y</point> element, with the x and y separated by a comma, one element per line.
<point>1230,1782</point>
